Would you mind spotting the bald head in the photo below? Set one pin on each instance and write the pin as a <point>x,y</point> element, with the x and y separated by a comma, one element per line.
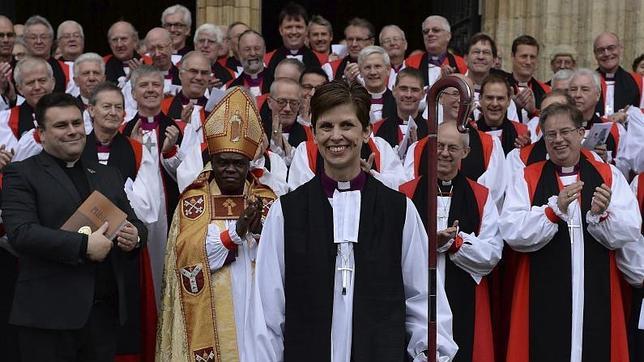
<point>6,42</point>
<point>123,39</point>
<point>159,46</point>
<point>608,51</point>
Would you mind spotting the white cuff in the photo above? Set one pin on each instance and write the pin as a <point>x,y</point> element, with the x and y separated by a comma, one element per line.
<point>592,218</point>
<point>552,203</point>
<point>445,248</point>
<point>232,231</point>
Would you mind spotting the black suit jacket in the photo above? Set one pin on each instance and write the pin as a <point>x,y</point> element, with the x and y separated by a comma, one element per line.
<point>55,286</point>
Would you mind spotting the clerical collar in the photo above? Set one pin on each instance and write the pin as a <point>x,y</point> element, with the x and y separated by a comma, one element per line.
<point>295,51</point>
<point>201,101</point>
<point>84,100</point>
<point>254,80</point>
<point>329,185</point>
<point>436,60</point>
<point>104,148</point>
<point>484,127</point>
<point>378,98</point>
<point>150,123</point>
<point>567,170</point>
<point>445,187</point>
<point>609,76</point>
<point>65,164</point>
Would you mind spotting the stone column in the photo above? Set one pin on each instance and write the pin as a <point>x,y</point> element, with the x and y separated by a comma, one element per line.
<point>572,22</point>
<point>225,12</point>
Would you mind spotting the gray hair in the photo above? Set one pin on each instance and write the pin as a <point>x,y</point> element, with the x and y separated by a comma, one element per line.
<point>135,34</point>
<point>370,50</point>
<point>89,57</point>
<point>278,81</point>
<point>391,26</point>
<point>465,137</point>
<point>69,22</point>
<point>187,16</point>
<point>210,29</point>
<point>143,70</point>
<point>30,62</point>
<point>36,20</point>
<point>589,73</point>
<point>441,20</point>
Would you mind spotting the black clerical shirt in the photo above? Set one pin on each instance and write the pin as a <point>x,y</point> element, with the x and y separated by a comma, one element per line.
<point>105,282</point>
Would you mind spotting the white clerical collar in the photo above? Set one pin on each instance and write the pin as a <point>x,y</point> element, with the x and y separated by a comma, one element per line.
<point>344,185</point>
<point>149,119</point>
<point>70,164</point>
<point>378,95</point>
<point>85,100</point>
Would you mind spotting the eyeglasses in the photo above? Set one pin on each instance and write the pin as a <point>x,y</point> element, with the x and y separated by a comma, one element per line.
<point>281,102</point>
<point>196,72</point>
<point>436,30</point>
<point>610,49</point>
<point>565,133</point>
<point>174,25</point>
<point>393,40</point>
<point>9,35</point>
<point>34,37</point>
<point>440,147</point>
<point>71,36</point>
<point>357,40</point>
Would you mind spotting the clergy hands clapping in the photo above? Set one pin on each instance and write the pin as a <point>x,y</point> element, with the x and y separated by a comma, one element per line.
<point>525,99</point>
<point>262,147</point>
<point>601,151</point>
<point>366,165</point>
<point>186,112</point>
<point>128,237</point>
<point>522,140</point>
<point>351,72</point>
<point>446,70</point>
<point>568,194</point>
<point>137,132</point>
<point>444,236</point>
<point>5,156</point>
<point>601,199</point>
<point>98,246</point>
<point>250,219</point>
<point>171,137</point>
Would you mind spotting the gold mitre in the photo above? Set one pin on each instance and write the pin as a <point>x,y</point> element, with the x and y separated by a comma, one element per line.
<point>234,124</point>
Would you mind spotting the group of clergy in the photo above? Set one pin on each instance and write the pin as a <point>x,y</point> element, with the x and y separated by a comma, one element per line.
<point>540,251</point>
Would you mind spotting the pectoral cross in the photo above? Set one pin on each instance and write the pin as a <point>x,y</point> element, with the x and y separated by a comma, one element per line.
<point>229,204</point>
<point>571,230</point>
<point>149,144</point>
<point>345,267</point>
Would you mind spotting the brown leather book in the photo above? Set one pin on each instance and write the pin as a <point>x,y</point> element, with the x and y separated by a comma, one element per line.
<point>92,213</point>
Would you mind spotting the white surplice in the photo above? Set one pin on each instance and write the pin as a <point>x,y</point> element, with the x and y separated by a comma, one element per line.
<point>527,229</point>
<point>266,315</point>
<point>479,253</point>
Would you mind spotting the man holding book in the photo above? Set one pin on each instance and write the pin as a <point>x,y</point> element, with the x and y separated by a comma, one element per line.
<point>70,295</point>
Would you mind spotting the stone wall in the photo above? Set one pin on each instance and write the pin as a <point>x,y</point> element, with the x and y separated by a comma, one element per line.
<point>225,12</point>
<point>572,22</point>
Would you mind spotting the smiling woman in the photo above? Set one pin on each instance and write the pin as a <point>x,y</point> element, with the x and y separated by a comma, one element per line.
<point>340,118</point>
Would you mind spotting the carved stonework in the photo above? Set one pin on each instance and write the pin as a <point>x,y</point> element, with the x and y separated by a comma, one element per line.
<point>572,22</point>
